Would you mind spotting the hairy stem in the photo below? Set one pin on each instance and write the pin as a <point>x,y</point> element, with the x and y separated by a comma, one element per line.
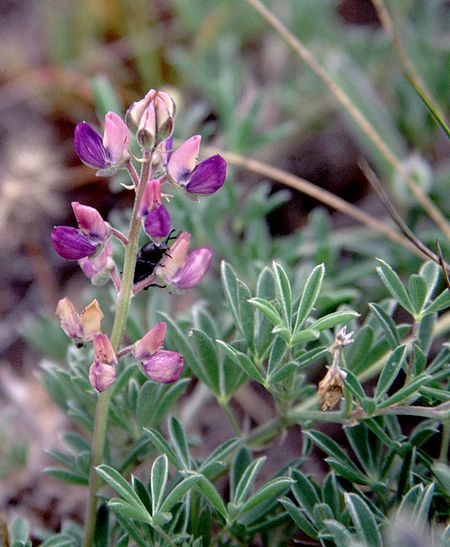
<point>123,304</point>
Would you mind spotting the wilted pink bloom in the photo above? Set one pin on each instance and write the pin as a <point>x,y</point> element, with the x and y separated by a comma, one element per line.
<point>196,178</point>
<point>107,153</point>
<point>180,270</point>
<point>82,327</point>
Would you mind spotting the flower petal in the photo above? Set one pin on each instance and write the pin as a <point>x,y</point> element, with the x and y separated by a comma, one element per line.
<point>197,264</point>
<point>151,197</point>
<point>183,161</point>
<point>116,138</point>
<point>90,320</point>
<point>208,176</point>
<point>71,243</point>
<point>101,376</point>
<point>152,342</point>
<point>164,366</point>
<point>175,259</point>
<point>103,350</point>
<point>90,221</point>
<point>157,222</point>
<point>89,146</point>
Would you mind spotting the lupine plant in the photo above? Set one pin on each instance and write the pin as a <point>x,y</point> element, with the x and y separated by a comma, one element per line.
<point>150,122</point>
<point>363,386</point>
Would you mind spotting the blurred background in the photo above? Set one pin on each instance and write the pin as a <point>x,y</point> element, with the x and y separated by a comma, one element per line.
<point>237,84</point>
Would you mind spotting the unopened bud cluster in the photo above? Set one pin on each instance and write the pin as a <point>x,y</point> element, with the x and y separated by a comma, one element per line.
<point>150,122</point>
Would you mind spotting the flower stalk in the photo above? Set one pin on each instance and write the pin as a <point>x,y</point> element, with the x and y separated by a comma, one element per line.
<point>123,304</point>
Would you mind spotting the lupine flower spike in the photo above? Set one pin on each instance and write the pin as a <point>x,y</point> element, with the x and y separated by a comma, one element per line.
<point>74,244</point>
<point>192,177</point>
<point>158,364</point>
<point>106,154</point>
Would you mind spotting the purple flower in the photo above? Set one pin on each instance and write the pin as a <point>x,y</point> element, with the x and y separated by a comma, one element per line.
<point>71,243</point>
<point>74,244</point>
<point>196,178</point>
<point>180,270</point>
<point>157,223</point>
<point>107,153</point>
<point>156,217</point>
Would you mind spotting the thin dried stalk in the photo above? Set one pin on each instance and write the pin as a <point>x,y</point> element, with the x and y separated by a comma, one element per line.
<point>303,52</point>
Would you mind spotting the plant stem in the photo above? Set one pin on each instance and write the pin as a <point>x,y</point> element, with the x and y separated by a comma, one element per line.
<point>231,417</point>
<point>123,304</point>
<point>445,441</point>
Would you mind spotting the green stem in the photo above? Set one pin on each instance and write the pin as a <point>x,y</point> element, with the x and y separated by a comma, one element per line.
<point>123,304</point>
<point>445,441</point>
<point>231,417</point>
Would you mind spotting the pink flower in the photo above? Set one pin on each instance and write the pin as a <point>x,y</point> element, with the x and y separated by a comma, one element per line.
<point>102,372</point>
<point>98,269</point>
<point>105,154</point>
<point>180,270</point>
<point>158,364</point>
<point>196,178</point>
<point>74,244</point>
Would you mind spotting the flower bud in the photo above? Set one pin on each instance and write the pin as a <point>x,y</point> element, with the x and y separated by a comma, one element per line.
<point>152,118</point>
<point>135,111</point>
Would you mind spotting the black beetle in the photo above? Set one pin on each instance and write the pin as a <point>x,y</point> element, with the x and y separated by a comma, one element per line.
<point>149,256</point>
